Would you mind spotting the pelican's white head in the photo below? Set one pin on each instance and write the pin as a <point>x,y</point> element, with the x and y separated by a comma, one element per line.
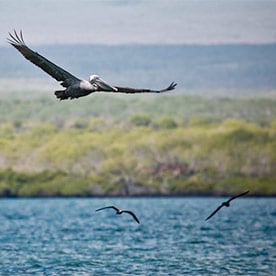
<point>93,78</point>
<point>96,80</point>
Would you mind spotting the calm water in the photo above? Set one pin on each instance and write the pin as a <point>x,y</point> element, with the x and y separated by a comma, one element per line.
<point>67,237</point>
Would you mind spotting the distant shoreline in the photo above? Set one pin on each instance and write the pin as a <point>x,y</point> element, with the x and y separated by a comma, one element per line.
<point>194,67</point>
<point>139,196</point>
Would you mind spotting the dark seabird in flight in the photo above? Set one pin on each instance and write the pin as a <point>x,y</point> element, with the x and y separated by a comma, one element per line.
<point>119,212</point>
<point>75,87</point>
<point>226,203</point>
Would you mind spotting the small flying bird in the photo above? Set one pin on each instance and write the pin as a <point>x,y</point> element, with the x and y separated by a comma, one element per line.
<point>226,203</point>
<point>119,212</point>
<point>75,87</point>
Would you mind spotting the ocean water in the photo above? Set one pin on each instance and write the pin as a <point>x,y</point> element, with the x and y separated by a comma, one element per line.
<point>67,237</point>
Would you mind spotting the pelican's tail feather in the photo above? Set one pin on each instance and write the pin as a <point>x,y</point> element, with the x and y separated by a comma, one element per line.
<point>60,94</point>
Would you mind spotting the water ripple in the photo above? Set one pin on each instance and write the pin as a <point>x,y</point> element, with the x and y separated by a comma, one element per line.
<point>67,237</point>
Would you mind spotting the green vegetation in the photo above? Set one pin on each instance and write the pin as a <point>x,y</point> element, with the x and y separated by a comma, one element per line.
<point>108,145</point>
<point>120,108</point>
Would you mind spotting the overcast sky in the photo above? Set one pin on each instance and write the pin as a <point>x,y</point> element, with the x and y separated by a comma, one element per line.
<point>140,21</point>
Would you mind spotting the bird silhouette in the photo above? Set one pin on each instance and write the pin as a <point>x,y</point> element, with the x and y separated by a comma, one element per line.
<point>75,87</point>
<point>119,212</point>
<point>226,204</point>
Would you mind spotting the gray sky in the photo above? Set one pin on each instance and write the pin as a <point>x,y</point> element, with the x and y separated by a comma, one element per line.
<point>140,21</point>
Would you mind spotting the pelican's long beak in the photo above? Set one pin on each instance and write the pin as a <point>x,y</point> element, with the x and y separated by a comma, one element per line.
<point>104,85</point>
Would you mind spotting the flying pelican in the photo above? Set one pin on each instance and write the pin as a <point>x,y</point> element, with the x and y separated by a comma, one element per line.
<point>75,87</point>
<point>226,203</point>
<point>119,212</point>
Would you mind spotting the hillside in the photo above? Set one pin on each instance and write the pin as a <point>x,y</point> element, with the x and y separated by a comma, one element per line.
<point>215,134</point>
<point>167,144</point>
<point>25,107</point>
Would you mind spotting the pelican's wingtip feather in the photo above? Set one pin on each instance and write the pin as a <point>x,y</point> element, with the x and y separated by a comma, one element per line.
<point>16,39</point>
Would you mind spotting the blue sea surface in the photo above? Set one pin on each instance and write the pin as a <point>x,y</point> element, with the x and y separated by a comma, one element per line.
<point>67,237</point>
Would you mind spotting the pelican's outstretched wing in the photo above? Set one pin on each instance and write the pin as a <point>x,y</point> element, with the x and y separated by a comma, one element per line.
<point>238,196</point>
<point>132,214</point>
<point>215,211</point>
<point>107,207</point>
<point>137,90</point>
<point>46,65</point>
